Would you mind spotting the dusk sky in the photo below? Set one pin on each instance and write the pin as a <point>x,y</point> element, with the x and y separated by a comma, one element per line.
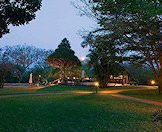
<point>56,19</point>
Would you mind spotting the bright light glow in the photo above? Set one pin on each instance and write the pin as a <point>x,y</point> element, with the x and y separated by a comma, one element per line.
<point>82,58</point>
<point>96,84</point>
<point>152,82</point>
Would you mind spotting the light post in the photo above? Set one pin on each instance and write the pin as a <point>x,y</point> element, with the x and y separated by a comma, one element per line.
<point>153,82</point>
<point>97,86</point>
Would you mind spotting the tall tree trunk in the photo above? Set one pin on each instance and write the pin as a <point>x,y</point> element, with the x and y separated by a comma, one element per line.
<point>160,81</point>
<point>64,74</point>
<point>160,73</point>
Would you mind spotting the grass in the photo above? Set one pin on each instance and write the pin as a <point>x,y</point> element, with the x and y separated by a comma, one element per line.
<point>56,88</point>
<point>150,94</point>
<point>123,87</point>
<point>73,113</point>
<point>65,88</point>
<point>13,90</point>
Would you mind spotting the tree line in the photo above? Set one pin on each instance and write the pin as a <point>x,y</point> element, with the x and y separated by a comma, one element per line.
<point>127,31</point>
<point>18,61</point>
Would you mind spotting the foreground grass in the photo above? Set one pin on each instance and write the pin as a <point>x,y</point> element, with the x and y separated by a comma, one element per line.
<point>150,94</point>
<point>74,113</point>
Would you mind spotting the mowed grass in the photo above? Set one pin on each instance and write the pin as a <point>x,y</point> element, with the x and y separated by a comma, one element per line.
<point>14,90</point>
<point>75,113</point>
<point>58,88</point>
<point>66,88</point>
<point>150,94</point>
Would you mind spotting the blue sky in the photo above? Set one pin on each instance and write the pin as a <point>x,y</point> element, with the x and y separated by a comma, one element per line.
<point>56,19</point>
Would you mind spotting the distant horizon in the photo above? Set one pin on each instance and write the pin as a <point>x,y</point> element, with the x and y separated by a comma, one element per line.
<point>51,25</point>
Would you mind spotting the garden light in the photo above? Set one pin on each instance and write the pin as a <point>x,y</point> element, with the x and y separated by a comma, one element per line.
<point>96,84</point>
<point>152,82</point>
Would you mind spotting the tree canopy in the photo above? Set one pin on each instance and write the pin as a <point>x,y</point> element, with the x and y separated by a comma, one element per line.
<point>64,58</point>
<point>136,25</point>
<point>17,12</point>
<point>16,61</point>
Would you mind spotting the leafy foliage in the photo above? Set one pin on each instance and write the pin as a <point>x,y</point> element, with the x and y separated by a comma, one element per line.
<point>137,26</point>
<point>105,57</point>
<point>63,58</point>
<point>17,12</point>
<point>17,61</point>
<point>139,74</point>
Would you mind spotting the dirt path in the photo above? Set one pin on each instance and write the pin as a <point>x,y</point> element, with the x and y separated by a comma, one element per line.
<point>137,99</point>
<point>116,93</point>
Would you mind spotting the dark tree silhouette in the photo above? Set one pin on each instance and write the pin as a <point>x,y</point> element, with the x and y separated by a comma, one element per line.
<point>64,58</point>
<point>17,12</point>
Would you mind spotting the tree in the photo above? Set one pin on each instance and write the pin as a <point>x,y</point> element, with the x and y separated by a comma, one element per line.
<point>139,74</point>
<point>139,25</point>
<point>43,73</point>
<point>64,58</point>
<point>105,56</point>
<point>17,12</point>
<point>5,67</point>
<point>22,57</point>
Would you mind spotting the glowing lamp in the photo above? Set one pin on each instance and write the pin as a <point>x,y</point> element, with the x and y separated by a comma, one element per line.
<point>96,84</point>
<point>152,82</point>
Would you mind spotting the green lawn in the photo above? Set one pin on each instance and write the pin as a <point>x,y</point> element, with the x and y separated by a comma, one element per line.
<point>89,112</point>
<point>85,113</point>
<point>56,88</point>
<point>124,87</point>
<point>13,90</point>
<point>65,88</point>
<point>59,88</point>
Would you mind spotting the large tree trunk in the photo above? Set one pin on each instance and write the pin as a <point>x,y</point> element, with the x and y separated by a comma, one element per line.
<point>160,82</point>
<point>160,74</point>
<point>64,74</point>
<point>103,81</point>
<point>102,84</point>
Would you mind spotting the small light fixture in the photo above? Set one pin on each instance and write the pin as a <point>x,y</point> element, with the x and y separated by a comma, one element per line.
<point>153,82</point>
<point>96,84</point>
